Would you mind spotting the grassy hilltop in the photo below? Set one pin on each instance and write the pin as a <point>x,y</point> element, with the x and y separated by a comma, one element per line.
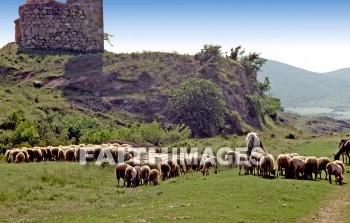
<point>121,89</point>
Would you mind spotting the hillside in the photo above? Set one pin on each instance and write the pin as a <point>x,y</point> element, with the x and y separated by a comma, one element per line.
<point>309,93</point>
<point>118,88</point>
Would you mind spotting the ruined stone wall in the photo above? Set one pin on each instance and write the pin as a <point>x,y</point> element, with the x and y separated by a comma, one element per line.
<point>76,25</point>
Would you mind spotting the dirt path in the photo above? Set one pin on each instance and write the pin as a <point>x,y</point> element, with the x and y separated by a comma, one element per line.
<point>336,208</point>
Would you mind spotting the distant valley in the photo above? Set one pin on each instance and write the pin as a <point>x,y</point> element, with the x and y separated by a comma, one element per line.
<point>309,93</point>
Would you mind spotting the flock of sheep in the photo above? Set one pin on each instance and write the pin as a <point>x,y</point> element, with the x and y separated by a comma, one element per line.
<point>137,167</point>
<point>291,165</point>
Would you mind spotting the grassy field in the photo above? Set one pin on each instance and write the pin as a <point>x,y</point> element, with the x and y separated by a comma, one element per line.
<point>68,192</point>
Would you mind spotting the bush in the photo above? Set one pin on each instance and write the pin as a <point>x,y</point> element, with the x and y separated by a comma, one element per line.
<point>198,104</point>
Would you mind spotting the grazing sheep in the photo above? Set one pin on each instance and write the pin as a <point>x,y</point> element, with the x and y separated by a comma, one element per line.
<point>120,172</point>
<point>188,163</point>
<point>166,168</point>
<point>336,170</point>
<point>61,154</point>
<point>297,168</point>
<point>243,162</point>
<point>20,158</point>
<point>341,164</point>
<point>232,158</point>
<point>13,154</point>
<point>177,171</point>
<point>44,154</point>
<point>154,177</point>
<point>210,162</point>
<point>283,163</point>
<point>130,176</point>
<point>38,156</point>
<point>54,153</point>
<point>196,160</point>
<point>182,164</point>
<point>31,155</point>
<point>69,155</point>
<point>322,164</point>
<point>145,171</point>
<point>311,167</point>
<point>138,177</point>
<point>26,155</point>
<point>267,165</point>
<point>172,164</point>
<point>254,162</point>
<point>7,156</point>
<point>97,151</point>
<point>48,154</point>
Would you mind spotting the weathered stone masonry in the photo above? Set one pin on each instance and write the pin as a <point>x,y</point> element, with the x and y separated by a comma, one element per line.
<point>76,25</point>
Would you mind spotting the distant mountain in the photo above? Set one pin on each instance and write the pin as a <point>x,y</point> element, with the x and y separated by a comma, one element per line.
<point>307,92</point>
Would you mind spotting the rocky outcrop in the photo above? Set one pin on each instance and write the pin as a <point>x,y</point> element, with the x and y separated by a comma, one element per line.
<point>76,25</point>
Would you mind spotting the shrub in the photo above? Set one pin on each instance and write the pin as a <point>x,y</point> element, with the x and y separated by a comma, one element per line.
<point>198,104</point>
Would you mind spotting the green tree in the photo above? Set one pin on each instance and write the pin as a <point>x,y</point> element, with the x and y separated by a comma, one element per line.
<point>198,104</point>
<point>209,54</point>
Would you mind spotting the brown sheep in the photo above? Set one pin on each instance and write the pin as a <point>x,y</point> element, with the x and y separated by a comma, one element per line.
<point>38,156</point>
<point>154,177</point>
<point>138,177</point>
<point>61,154</point>
<point>13,154</point>
<point>188,163</point>
<point>232,158</point>
<point>31,155</point>
<point>44,154</point>
<point>297,168</point>
<point>177,170</point>
<point>254,161</point>
<point>182,164</point>
<point>69,155</point>
<point>311,167</point>
<point>48,154</point>
<point>243,162</point>
<point>20,158</point>
<point>120,172</point>
<point>166,168</point>
<point>97,151</point>
<point>283,163</point>
<point>322,164</point>
<point>267,165</point>
<point>196,160</point>
<point>7,156</point>
<point>145,171</point>
<point>341,164</point>
<point>54,153</point>
<point>210,162</point>
<point>336,170</point>
<point>130,176</point>
<point>26,154</point>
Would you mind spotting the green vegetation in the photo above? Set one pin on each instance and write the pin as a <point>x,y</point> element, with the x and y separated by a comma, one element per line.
<point>73,98</point>
<point>56,129</point>
<point>69,192</point>
<point>198,104</point>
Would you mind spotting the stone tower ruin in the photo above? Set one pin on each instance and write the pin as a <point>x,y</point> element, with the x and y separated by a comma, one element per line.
<point>75,26</point>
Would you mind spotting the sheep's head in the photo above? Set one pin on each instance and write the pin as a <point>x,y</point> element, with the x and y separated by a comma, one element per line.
<point>273,171</point>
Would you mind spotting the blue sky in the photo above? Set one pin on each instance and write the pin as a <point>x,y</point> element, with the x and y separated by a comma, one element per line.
<point>311,34</point>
